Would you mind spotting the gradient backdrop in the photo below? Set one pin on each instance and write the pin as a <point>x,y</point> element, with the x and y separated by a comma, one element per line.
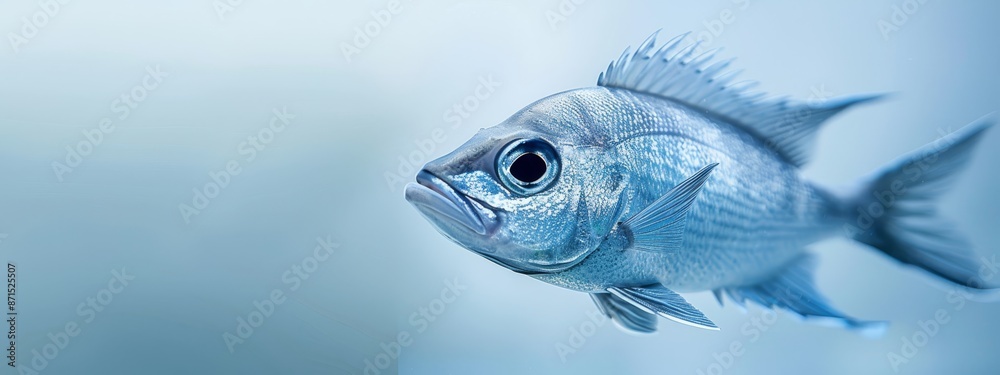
<point>360,112</point>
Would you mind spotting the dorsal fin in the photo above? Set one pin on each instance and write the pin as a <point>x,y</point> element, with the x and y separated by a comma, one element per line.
<point>674,71</point>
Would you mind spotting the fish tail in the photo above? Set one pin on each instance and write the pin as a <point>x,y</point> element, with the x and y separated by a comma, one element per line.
<point>893,209</point>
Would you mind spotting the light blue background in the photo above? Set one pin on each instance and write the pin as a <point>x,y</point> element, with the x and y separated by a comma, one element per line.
<point>325,175</point>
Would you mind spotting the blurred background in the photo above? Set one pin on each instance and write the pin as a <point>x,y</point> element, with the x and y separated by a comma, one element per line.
<point>216,186</point>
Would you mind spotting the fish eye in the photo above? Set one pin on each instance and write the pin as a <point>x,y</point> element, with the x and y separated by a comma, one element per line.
<point>528,166</point>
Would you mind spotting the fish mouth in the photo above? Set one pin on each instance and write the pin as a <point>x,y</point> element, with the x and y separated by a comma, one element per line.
<point>455,215</point>
<point>436,199</point>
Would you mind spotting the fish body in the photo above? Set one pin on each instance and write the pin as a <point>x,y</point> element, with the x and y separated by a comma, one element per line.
<point>667,178</point>
<point>755,216</point>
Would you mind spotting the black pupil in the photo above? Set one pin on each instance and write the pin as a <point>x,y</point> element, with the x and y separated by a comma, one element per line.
<point>529,167</point>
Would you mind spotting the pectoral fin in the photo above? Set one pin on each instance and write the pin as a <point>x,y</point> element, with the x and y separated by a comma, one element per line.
<point>660,226</point>
<point>656,299</point>
<point>625,314</point>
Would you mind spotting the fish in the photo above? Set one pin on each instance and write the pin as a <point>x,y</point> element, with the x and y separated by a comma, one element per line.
<point>669,176</point>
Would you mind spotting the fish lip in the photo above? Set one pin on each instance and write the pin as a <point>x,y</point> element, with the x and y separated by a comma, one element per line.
<point>434,193</point>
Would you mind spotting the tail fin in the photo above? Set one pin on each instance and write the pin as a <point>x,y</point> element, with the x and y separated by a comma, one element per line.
<point>896,213</point>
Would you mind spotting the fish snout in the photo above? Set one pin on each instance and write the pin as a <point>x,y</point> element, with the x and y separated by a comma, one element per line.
<point>445,206</point>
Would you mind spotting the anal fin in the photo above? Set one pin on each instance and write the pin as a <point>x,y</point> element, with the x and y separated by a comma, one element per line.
<point>793,290</point>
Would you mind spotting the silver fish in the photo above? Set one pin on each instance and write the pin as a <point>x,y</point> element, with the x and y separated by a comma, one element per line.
<point>666,178</point>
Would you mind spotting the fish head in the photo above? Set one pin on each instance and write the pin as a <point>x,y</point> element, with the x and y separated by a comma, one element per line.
<point>535,194</point>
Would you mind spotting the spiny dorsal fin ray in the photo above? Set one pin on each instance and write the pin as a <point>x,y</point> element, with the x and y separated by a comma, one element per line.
<point>675,71</point>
